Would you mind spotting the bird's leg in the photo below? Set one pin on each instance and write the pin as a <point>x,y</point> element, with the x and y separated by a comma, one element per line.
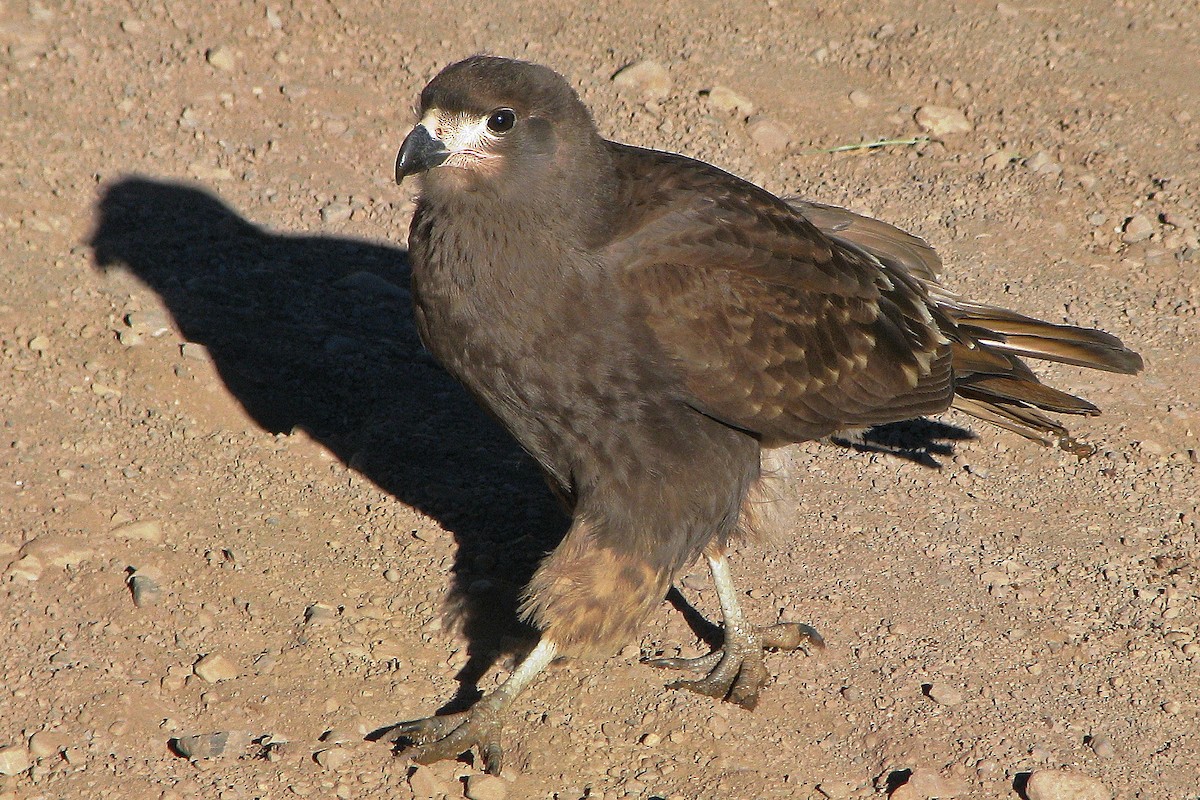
<point>449,735</point>
<point>736,671</point>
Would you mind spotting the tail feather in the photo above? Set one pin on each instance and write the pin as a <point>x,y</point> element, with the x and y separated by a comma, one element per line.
<point>991,381</point>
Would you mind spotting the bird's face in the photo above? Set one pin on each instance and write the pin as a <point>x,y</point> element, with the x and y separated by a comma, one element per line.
<point>495,126</point>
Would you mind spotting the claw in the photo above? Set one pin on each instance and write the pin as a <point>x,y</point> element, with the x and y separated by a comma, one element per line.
<point>450,735</point>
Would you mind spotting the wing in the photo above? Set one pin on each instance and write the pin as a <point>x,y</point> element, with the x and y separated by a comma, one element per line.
<point>774,327</point>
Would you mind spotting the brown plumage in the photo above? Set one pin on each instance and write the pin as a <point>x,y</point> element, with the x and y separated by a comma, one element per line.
<point>645,325</point>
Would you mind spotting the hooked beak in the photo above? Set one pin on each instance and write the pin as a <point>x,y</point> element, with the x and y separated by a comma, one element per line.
<point>419,152</point>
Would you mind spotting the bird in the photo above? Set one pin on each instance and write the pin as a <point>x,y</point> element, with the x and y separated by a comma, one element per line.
<point>651,329</point>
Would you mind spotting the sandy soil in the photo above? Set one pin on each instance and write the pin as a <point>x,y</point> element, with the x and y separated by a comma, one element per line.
<point>234,492</point>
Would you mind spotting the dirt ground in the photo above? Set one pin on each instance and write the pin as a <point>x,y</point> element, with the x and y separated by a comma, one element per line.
<point>235,492</point>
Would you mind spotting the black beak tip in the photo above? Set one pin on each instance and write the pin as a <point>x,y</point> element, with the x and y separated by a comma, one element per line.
<point>420,152</point>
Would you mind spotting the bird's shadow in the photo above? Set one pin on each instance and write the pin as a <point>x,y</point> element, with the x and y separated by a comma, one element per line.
<point>317,333</point>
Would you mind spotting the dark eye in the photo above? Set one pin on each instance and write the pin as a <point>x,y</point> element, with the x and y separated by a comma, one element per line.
<point>502,120</point>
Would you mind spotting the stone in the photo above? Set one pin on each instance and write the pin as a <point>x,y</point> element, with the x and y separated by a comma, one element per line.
<point>336,212</point>
<point>214,668</point>
<point>769,135</point>
<point>1064,784</point>
<point>1137,228</point>
<point>647,79</point>
<point>151,322</point>
<point>334,758</point>
<point>726,100</point>
<point>44,744</point>
<point>145,591</point>
<point>925,784</point>
<point>486,787</point>
<point>425,784</point>
<point>211,745</point>
<point>942,120</point>
<point>860,99</point>
<point>221,58</point>
<point>944,695</point>
<point>143,530</point>
<point>14,759</point>
<point>25,568</point>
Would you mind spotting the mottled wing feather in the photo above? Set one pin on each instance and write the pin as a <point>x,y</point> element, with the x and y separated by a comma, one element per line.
<point>774,327</point>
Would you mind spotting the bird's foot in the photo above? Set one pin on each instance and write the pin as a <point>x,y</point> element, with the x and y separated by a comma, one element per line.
<point>736,671</point>
<point>450,735</point>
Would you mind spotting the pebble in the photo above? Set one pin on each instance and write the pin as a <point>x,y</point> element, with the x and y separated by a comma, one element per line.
<point>39,344</point>
<point>1137,228</point>
<point>1064,784</point>
<point>211,745</point>
<point>26,568</point>
<point>942,120</point>
<point>145,591</point>
<point>860,99</point>
<point>14,759</point>
<point>486,787</point>
<point>134,26</point>
<point>371,284</point>
<point>143,530</point>
<point>47,743</point>
<point>425,783</point>
<point>335,212</point>
<point>214,668</point>
<point>726,100</point>
<point>648,79</point>
<point>925,784</point>
<point>1102,747</point>
<point>153,322</point>
<point>195,352</point>
<point>221,58</point>
<point>944,695</point>
<point>836,789</point>
<point>334,758</point>
<point>1043,163</point>
<point>769,135</point>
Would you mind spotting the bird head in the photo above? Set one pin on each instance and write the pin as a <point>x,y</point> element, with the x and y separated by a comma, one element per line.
<point>497,126</point>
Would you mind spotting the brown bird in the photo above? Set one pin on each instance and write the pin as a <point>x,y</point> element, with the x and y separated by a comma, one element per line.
<point>648,326</point>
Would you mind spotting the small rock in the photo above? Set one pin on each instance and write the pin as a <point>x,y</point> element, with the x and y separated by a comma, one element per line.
<point>104,390</point>
<point>134,26</point>
<point>39,344</point>
<point>1102,747</point>
<point>145,591</point>
<point>211,745</point>
<point>1137,228</point>
<point>319,614</point>
<point>151,322</point>
<point>335,212</point>
<point>221,58</point>
<point>836,789</point>
<point>925,784</point>
<point>207,172</point>
<point>942,120</point>
<point>769,135</point>
<point>648,79</point>
<point>371,284</point>
<point>145,531</point>
<point>426,784</point>
<point>14,759</point>
<point>44,744</point>
<point>392,576</point>
<point>333,759</point>
<point>1043,163</point>
<point>726,100</point>
<point>195,352</point>
<point>26,568</point>
<point>999,159</point>
<point>214,668</point>
<point>652,740</point>
<point>1064,784</point>
<point>486,787</point>
<point>59,551</point>
<point>944,695</point>
<point>860,99</point>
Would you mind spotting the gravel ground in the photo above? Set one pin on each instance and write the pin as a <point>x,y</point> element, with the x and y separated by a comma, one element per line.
<point>235,492</point>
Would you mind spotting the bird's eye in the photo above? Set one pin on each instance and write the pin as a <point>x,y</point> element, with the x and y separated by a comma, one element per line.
<point>502,120</point>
